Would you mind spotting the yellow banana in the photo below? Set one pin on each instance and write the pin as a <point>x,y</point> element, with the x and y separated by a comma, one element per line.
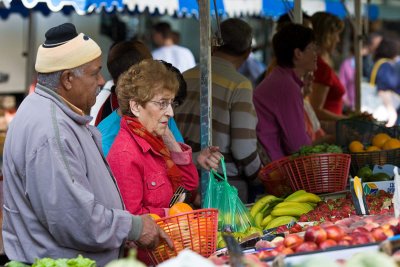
<point>281,220</point>
<point>297,193</point>
<point>266,220</point>
<point>258,219</point>
<point>306,197</point>
<point>292,209</point>
<point>260,204</point>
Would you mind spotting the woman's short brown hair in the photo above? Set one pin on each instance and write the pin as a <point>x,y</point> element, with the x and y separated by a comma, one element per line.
<point>142,81</point>
<point>324,25</point>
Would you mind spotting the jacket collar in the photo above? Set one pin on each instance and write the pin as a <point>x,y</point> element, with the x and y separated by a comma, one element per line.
<point>58,100</point>
<point>144,145</point>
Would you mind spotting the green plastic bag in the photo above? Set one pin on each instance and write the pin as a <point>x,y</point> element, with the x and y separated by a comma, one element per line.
<point>232,214</point>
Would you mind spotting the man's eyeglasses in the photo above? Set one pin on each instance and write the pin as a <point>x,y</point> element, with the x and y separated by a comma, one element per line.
<point>163,104</point>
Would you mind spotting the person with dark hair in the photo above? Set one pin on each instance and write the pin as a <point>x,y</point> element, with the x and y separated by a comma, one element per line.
<point>121,56</point>
<point>233,116</point>
<point>167,50</point>
<point>385,77</point>
<point>278,98</point>
<point>60,197</point>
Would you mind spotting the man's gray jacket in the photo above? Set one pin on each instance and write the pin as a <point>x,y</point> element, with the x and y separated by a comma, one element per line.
<point>60,198</point>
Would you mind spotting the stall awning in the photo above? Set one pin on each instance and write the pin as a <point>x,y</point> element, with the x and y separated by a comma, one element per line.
<point>227,8</point>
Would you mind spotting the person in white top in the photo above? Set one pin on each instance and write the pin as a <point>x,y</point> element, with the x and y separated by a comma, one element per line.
<point>179,56</point>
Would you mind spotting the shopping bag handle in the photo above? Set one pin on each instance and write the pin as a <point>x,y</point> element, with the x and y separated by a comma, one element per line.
<point>215,173</point>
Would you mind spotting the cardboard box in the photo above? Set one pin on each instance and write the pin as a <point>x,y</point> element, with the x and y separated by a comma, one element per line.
<point>374,187</point>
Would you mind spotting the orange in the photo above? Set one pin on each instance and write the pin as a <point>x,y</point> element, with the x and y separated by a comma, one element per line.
<point>179,208</point>
<point>392,143</point>
<point>154,216</point>
<point>380,139</point>
<point>356,146</point>
<point>373,148</point>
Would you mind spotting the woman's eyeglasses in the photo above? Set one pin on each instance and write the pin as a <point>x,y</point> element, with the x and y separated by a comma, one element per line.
<point>163,104</point>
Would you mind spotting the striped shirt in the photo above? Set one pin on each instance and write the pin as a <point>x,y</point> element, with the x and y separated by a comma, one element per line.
<point>233,118</point>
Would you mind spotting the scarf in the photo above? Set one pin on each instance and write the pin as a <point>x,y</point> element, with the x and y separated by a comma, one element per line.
<point>157,144</point>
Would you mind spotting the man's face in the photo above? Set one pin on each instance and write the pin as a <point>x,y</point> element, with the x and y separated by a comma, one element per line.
<point>158,40</point>
<point>86,85</point>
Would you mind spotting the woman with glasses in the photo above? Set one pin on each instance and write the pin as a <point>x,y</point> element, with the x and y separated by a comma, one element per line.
<point>148,164</point>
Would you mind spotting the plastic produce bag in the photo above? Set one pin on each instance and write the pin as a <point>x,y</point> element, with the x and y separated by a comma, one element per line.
<point>232,214</point>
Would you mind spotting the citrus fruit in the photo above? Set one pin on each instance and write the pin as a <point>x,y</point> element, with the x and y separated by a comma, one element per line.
<point>356,146</point>
<point>179,208</point>
<point>154,216</point>
<point>364,172</point>
<point>380,139</point>
<point>392,143</point>
<point>372,148</point>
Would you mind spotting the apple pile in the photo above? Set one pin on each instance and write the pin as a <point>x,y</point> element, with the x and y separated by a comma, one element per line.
<point>355,230</point>
<point>337,209</point>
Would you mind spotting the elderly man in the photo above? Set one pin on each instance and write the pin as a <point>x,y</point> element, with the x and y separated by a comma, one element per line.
<point>60,198</point>
<point>234,118</point>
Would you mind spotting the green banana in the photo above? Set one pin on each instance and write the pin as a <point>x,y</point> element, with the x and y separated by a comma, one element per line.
<point>266,220</point>
<point>281,220</point>
<point>306,197</point>
<point>297,193</point>
<point>292,209</point>
<point>260,204</point>
<point>258,219</point>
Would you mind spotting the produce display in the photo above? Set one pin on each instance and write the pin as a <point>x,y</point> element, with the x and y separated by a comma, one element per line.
<point>270,212</point>
<point>48,262</point>
<point>368,176</point>
<point>355,230</point>
<point>337,209</point>
<point>380,141</point>
<point>317,149</point>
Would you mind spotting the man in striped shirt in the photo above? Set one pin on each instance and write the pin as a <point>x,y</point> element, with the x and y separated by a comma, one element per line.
<point>233,116</point>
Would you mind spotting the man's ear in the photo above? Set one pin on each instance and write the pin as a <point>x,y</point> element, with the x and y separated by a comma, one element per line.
<point>134,107</point>
<point>66,79</point>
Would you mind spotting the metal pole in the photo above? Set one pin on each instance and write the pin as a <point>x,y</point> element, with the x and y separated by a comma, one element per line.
<point>357,51</point>
<point>298,13</point>
<point>205,84</point>
<point>30,51</point>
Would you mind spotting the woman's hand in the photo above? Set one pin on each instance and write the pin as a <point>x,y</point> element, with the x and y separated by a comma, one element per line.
<point>170,142</point>
<point>209,158</point>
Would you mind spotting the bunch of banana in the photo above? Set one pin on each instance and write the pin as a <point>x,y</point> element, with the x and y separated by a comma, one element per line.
<point>263,207</point>
<point>293,206</point>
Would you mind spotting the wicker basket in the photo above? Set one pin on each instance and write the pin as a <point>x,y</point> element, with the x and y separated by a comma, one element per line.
<point>319,173</point>
<point>350,129</point>
<point>196,230</point>
<point>363,131</point>
<point>359,160</point>
<point>274,178</point>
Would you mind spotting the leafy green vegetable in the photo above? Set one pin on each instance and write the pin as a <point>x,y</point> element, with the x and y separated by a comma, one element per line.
<point>16,264</point>
<point>74,262</point>
<point>317,149</point>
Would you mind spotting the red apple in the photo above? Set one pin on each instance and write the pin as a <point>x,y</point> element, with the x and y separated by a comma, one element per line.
<point>343,242</point>
<point>378,234</point>
<point>360,229</point>
<point>327,244</point>
<point>267,253</point>
<point>306,246</point>
<point>292,241</point>
<point>388,232</point>
<point>360,238</point>
<point>348,239</point>
<point>315,234</point>
<point>334,232</point>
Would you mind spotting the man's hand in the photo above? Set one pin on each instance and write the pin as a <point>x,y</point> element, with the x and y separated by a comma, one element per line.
<point>152,234</point>
<point>209,158</point>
